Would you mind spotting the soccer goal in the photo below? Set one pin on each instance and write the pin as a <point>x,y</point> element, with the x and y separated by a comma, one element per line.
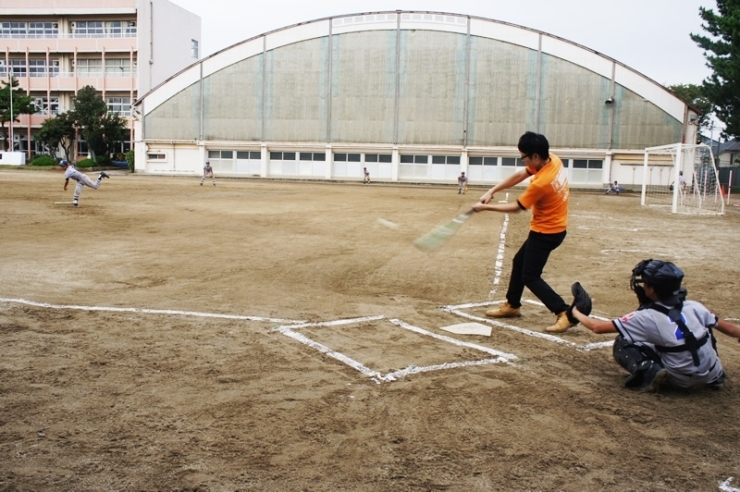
<point>683,179</point>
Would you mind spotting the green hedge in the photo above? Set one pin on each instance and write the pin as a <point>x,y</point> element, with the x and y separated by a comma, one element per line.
<point>86,163</point>
<point>44,160</point>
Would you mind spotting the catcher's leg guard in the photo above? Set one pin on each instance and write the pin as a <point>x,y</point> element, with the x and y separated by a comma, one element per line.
<point>645,367</point>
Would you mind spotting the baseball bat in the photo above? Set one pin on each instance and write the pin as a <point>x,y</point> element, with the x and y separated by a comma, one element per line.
<point>440,234</point>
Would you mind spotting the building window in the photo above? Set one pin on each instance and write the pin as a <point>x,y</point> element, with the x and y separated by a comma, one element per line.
<point>512,162</point>
<point>118,67</point>
<point>114,29</point>
<point>43,29</point>
<point>587,163</point>
<point>88,29</point>
<point>29,29</point>
<point>46,106</point>
<point>378,158</point>
<point>347,157</point>
<point>156,157</point>
<point>482,161</point>
<point>194,48</point>
<point>119,105</point>
<point>18,67</point>
<point>87,67</point>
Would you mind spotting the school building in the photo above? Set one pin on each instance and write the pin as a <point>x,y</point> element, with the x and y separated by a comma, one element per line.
<point>123,48</point>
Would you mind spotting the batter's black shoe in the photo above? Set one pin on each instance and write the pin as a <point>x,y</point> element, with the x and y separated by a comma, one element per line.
<point>103,175</point>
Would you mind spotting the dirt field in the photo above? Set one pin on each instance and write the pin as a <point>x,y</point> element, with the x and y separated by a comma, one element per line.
<point>142,346</point>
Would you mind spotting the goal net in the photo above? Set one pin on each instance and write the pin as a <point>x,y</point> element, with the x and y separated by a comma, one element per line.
<point>683,179</point>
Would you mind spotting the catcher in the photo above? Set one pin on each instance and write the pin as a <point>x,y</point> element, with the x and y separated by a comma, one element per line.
<point>668,339</point>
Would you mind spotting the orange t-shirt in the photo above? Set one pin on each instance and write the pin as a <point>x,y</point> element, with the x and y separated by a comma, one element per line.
<point>547,195</point>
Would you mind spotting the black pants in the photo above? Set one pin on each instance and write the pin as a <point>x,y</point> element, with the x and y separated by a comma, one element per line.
<point>527,269</point>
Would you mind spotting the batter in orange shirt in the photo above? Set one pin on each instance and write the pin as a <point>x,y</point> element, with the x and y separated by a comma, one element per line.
<point>547,196</point>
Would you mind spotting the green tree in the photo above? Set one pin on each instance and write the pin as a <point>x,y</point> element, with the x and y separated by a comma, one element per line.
<point>58,131</point>
<point>722,50</point>
<point>99,129</point>
<point>21,104</point>
<point>694,94</point>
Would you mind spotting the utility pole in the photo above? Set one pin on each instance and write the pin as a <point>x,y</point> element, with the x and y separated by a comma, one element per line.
<point>10,93</point>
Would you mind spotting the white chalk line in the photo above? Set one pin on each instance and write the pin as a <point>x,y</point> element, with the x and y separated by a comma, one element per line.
<point>378,377</point>
<point>499,263</point>
<point>725,486</point>
<point>536,334</point>
<point>150,311</point>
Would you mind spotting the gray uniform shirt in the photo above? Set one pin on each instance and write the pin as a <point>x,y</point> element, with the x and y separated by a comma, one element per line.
<point>650,327</point>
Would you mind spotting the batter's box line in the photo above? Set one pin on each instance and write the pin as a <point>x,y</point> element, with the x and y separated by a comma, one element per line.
<point>150,311</point>
<point>378,377</point>
<point>545,336</point>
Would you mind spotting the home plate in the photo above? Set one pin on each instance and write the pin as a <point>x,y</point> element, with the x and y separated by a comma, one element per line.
<point>469,329</point>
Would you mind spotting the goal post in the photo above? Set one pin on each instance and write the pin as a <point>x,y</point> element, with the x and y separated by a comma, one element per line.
<point>682,178</point>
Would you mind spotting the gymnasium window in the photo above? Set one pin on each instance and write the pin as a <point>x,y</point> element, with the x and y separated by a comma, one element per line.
<point>379,158</point>
<point>312,156</point>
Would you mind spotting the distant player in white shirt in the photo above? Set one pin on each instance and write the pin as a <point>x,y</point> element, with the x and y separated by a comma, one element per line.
<point>208,173</point>
<point>462,184</point>
<point>70,172</point>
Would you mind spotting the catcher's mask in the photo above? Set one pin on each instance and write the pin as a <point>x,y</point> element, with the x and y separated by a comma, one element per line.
<point>663,276</point>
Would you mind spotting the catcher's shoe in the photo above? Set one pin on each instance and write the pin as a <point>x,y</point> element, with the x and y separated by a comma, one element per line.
<point>103,175</point>
<point>561,324</point>
<point>653,377</point>
<point>504,311</point>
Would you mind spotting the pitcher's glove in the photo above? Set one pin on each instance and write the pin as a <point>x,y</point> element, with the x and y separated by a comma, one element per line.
<point>581,300</point>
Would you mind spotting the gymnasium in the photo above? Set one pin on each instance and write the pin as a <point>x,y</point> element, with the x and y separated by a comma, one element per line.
<point>415,97</point>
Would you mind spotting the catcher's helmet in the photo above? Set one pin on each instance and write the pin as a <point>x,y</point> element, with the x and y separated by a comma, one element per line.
<point>663,276</point>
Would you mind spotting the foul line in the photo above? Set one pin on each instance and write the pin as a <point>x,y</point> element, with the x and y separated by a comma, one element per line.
<point>725,486</point>
<point>498,266</point>
<point>150,311</point>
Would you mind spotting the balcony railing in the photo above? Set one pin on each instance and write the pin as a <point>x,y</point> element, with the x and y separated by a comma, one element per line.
<point>74,35</point>
<point>108,75</point>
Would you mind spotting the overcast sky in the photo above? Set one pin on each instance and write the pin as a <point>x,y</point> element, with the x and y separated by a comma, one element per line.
<point>650,36</point>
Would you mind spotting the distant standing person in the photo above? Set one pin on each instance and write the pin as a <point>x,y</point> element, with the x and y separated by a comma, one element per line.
<point>681,182</point>
<point>462,183</point>
<point>547,196</point>
<point>208,173</point>
<point>366,178</point>
<point>70,172</point>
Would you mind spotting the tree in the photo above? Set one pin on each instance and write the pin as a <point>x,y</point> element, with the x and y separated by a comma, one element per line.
<point>56,132</point>
<point>21,104</point>
<point>99,129</point>
<point>722,52</point>
<point>694,94</point>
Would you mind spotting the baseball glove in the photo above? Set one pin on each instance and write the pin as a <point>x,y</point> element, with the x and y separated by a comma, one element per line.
<point>581,300</point>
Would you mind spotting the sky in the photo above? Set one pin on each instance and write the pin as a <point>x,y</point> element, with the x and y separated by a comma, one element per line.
<point>650,36</point>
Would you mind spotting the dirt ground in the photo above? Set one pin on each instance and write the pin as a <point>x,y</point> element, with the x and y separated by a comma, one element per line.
<point>142,346</point>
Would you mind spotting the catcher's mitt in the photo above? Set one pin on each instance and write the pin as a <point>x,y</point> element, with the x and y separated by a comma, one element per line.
<point>581,300</point>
